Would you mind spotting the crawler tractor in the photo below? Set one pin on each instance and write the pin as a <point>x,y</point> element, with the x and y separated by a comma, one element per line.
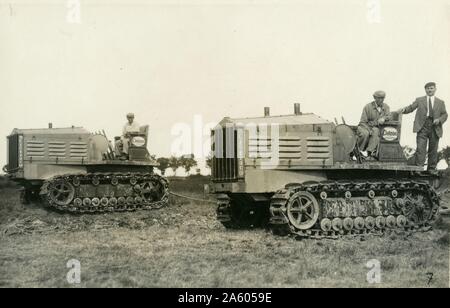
<point>303,175</point>
<point>71,169</point>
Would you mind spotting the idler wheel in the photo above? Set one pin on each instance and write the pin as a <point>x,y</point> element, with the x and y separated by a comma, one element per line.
<point>303,210</point>
<point>417,208</point>
<point>148,191</point>
<point>61,193</point>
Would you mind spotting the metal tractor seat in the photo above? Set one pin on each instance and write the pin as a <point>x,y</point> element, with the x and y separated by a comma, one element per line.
<point>138,144</point>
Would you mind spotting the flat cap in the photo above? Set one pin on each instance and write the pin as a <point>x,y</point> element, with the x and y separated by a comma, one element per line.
<point>381,94</point>
<point>130,115</point>
<point>430,84</point>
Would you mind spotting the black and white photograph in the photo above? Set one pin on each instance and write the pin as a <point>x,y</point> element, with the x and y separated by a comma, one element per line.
<point>224,150</point>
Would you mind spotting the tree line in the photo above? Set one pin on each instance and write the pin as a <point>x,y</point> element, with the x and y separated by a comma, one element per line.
<point>187,162</point>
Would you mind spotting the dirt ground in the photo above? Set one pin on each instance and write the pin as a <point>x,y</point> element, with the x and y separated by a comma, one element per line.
<point>183,245</point>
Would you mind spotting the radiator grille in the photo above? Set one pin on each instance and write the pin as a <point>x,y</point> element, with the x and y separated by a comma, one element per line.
<point>13,152</point>
<point>225,155</point>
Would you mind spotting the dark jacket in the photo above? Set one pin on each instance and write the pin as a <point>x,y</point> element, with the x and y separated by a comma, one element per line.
<point>439,112</point>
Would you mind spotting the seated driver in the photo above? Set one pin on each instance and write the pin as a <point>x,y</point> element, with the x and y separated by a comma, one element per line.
<point>374,114</point>
<point>130,127</point>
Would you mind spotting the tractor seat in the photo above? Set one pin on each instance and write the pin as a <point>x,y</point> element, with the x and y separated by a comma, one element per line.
<point>144,131</point>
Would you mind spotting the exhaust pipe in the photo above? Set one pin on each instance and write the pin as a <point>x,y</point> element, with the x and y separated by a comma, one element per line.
<point>266,111</point>
<point>297,109</point>
<point>50,125</point>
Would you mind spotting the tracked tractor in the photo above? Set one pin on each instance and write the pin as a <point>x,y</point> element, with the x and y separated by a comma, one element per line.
<point>304,175</point>
<point>73,170</point>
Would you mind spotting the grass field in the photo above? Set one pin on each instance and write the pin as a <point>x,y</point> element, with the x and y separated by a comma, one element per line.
<point>183,245</point>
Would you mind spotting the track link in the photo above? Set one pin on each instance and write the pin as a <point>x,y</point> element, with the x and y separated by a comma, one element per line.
<point>105,192</point>
<point>335,209</point>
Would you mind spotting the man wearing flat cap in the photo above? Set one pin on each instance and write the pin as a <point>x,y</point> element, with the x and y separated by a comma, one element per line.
<point>374,114</point>
<point>130,127</point>
<point>430,116</point>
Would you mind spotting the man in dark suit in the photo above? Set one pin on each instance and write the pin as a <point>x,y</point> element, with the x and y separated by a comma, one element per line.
<point>430,116</point>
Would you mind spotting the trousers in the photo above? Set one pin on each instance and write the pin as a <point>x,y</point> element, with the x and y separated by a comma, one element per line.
<point>427,137</point>
<point>368,138</point>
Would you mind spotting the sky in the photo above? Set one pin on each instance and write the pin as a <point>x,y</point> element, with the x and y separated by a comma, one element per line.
<point>88,63</point>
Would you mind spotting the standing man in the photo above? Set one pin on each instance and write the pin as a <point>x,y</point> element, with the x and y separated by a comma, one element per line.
<point>130,127</point>
<point>430,116</point>
<point>374,114</point>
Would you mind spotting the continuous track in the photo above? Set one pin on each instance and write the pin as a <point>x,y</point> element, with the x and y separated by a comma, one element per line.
<point>105,192</point>
<point>335,209</point>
